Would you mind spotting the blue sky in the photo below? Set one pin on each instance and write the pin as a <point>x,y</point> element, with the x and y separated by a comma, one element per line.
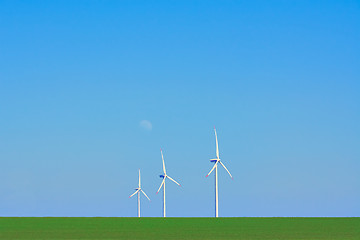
<point>280,80</point>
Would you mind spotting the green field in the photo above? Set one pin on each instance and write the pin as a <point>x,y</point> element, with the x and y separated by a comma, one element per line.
<point>180,228</point>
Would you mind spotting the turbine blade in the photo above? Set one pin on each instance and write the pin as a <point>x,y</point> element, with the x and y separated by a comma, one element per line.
<point>212,169</point>
<point>145,195</point>
<point>134,193</point>
<point>162,156</point>
<point>139,179</point>
<point>217,144</point>
<point>174,181</point>
<point>226,170</point>
<point>160,186</point>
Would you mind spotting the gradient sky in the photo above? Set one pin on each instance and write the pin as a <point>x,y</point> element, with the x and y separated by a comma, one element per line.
<point>280,80</point>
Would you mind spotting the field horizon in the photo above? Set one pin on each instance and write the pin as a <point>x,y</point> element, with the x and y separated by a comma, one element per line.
<point>179,228</point>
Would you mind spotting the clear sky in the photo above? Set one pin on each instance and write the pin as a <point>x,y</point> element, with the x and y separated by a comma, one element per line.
<point>280,80</point>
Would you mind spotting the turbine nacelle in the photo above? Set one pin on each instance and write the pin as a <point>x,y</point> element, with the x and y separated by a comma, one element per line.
<point>162,176</point>
<point>214,160</point>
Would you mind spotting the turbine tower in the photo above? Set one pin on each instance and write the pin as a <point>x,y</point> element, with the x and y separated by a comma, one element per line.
<point>217,161</point>
<point>163,183</point>
<point>138,190</point>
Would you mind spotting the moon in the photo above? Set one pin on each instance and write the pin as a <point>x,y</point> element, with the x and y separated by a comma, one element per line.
<point>145,124</point>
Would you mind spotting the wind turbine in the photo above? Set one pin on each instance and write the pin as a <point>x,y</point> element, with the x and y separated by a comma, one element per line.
<point>217,161</point>
<point>138,190</point>
<point>163,183</point>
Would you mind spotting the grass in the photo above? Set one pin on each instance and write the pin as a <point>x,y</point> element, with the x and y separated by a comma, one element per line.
<point>180,228</point>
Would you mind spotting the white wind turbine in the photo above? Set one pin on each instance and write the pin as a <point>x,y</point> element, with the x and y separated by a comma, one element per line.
<point>163,183</point>
<point>138,190</point>
<point>217,161</point>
